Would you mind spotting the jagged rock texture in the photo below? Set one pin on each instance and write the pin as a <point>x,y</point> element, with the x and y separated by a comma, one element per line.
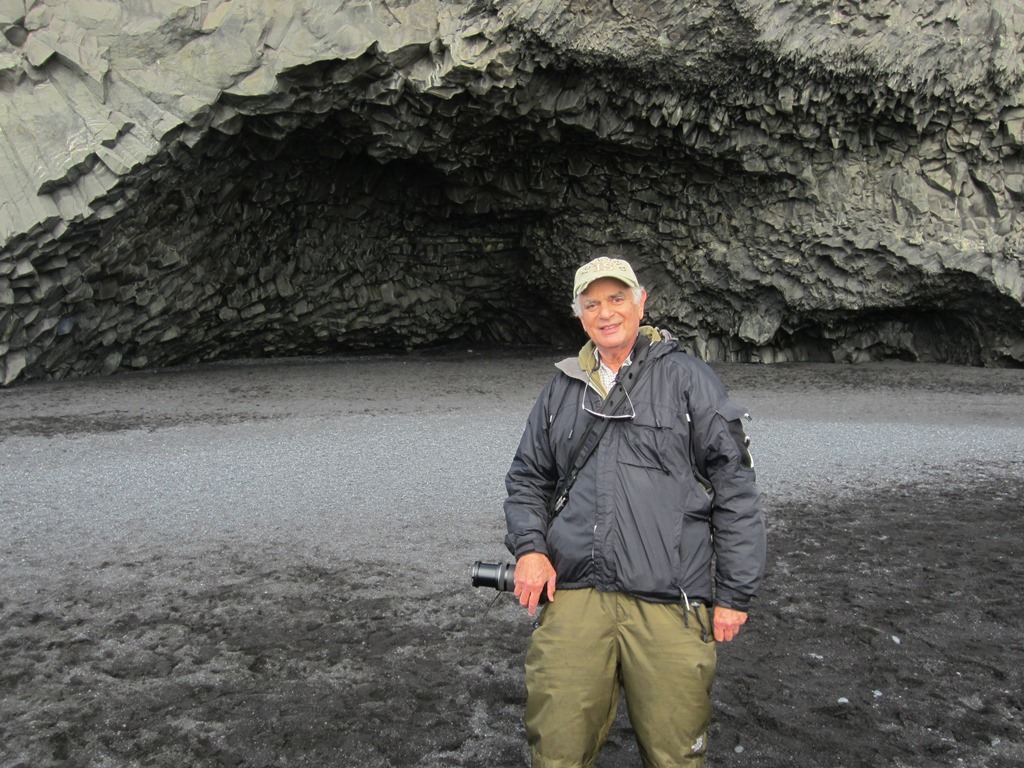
<point>184,181</point>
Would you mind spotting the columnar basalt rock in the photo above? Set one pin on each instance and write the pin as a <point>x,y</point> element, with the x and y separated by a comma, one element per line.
<point>186,181</point>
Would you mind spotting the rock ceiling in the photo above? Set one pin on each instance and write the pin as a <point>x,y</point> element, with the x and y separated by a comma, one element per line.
<point>183,181</point>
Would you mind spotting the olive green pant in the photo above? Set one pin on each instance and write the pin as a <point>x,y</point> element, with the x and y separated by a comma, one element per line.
<point>589,645</point>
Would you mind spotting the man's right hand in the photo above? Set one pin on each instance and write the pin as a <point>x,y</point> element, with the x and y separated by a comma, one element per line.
<point>534,575</point>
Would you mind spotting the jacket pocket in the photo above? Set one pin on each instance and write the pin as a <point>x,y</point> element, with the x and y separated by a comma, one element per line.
<point>648,438</point>
<point>733,413</point>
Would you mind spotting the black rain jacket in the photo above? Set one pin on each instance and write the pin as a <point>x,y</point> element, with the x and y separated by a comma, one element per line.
<point>664,495</point>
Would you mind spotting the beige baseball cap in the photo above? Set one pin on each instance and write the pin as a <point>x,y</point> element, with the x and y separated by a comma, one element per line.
<point>603,267</point>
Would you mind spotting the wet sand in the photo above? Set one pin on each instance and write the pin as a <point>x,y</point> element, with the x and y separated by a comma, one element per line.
<point>267,564</point>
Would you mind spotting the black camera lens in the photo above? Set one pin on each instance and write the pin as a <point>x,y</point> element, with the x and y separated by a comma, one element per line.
<point>501,576</point>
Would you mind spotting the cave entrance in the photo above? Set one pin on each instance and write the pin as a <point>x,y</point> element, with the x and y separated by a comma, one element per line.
<point>257,245</point>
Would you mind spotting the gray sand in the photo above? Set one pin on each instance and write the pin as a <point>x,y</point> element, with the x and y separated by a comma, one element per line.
<point>386,473</point>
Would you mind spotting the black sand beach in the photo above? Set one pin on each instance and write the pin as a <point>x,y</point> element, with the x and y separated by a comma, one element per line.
<point>267,564</point>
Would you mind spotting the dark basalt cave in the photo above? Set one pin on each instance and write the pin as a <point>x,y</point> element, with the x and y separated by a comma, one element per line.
<point>235,180</point>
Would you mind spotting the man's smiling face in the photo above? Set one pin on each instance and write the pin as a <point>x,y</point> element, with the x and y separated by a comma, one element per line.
<point>611,318</point>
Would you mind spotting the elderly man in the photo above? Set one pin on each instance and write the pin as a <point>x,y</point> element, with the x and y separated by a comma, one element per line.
<point>620,536</point>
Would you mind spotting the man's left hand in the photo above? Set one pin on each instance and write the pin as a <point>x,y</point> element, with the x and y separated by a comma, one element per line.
<point>727,623</point>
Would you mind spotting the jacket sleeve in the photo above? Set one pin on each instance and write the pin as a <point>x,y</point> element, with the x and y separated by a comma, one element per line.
<point>737,515</point>
<point>530,483</point>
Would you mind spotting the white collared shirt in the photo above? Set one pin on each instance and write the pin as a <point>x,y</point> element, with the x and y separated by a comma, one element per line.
<point>608,376</point>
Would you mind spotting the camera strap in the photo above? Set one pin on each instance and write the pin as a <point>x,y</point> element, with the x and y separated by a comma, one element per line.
<point>596,428</point>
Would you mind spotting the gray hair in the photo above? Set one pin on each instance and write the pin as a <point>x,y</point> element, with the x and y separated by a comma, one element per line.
<point>577,308</point>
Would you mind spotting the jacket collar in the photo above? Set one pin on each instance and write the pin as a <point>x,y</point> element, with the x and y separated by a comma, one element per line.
<point>584,366</point>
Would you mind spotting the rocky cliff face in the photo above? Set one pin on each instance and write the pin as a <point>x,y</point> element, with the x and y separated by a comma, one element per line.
<point>804,180</point>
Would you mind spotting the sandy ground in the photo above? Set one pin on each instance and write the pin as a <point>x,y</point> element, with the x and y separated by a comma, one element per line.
<point>267,564</point>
